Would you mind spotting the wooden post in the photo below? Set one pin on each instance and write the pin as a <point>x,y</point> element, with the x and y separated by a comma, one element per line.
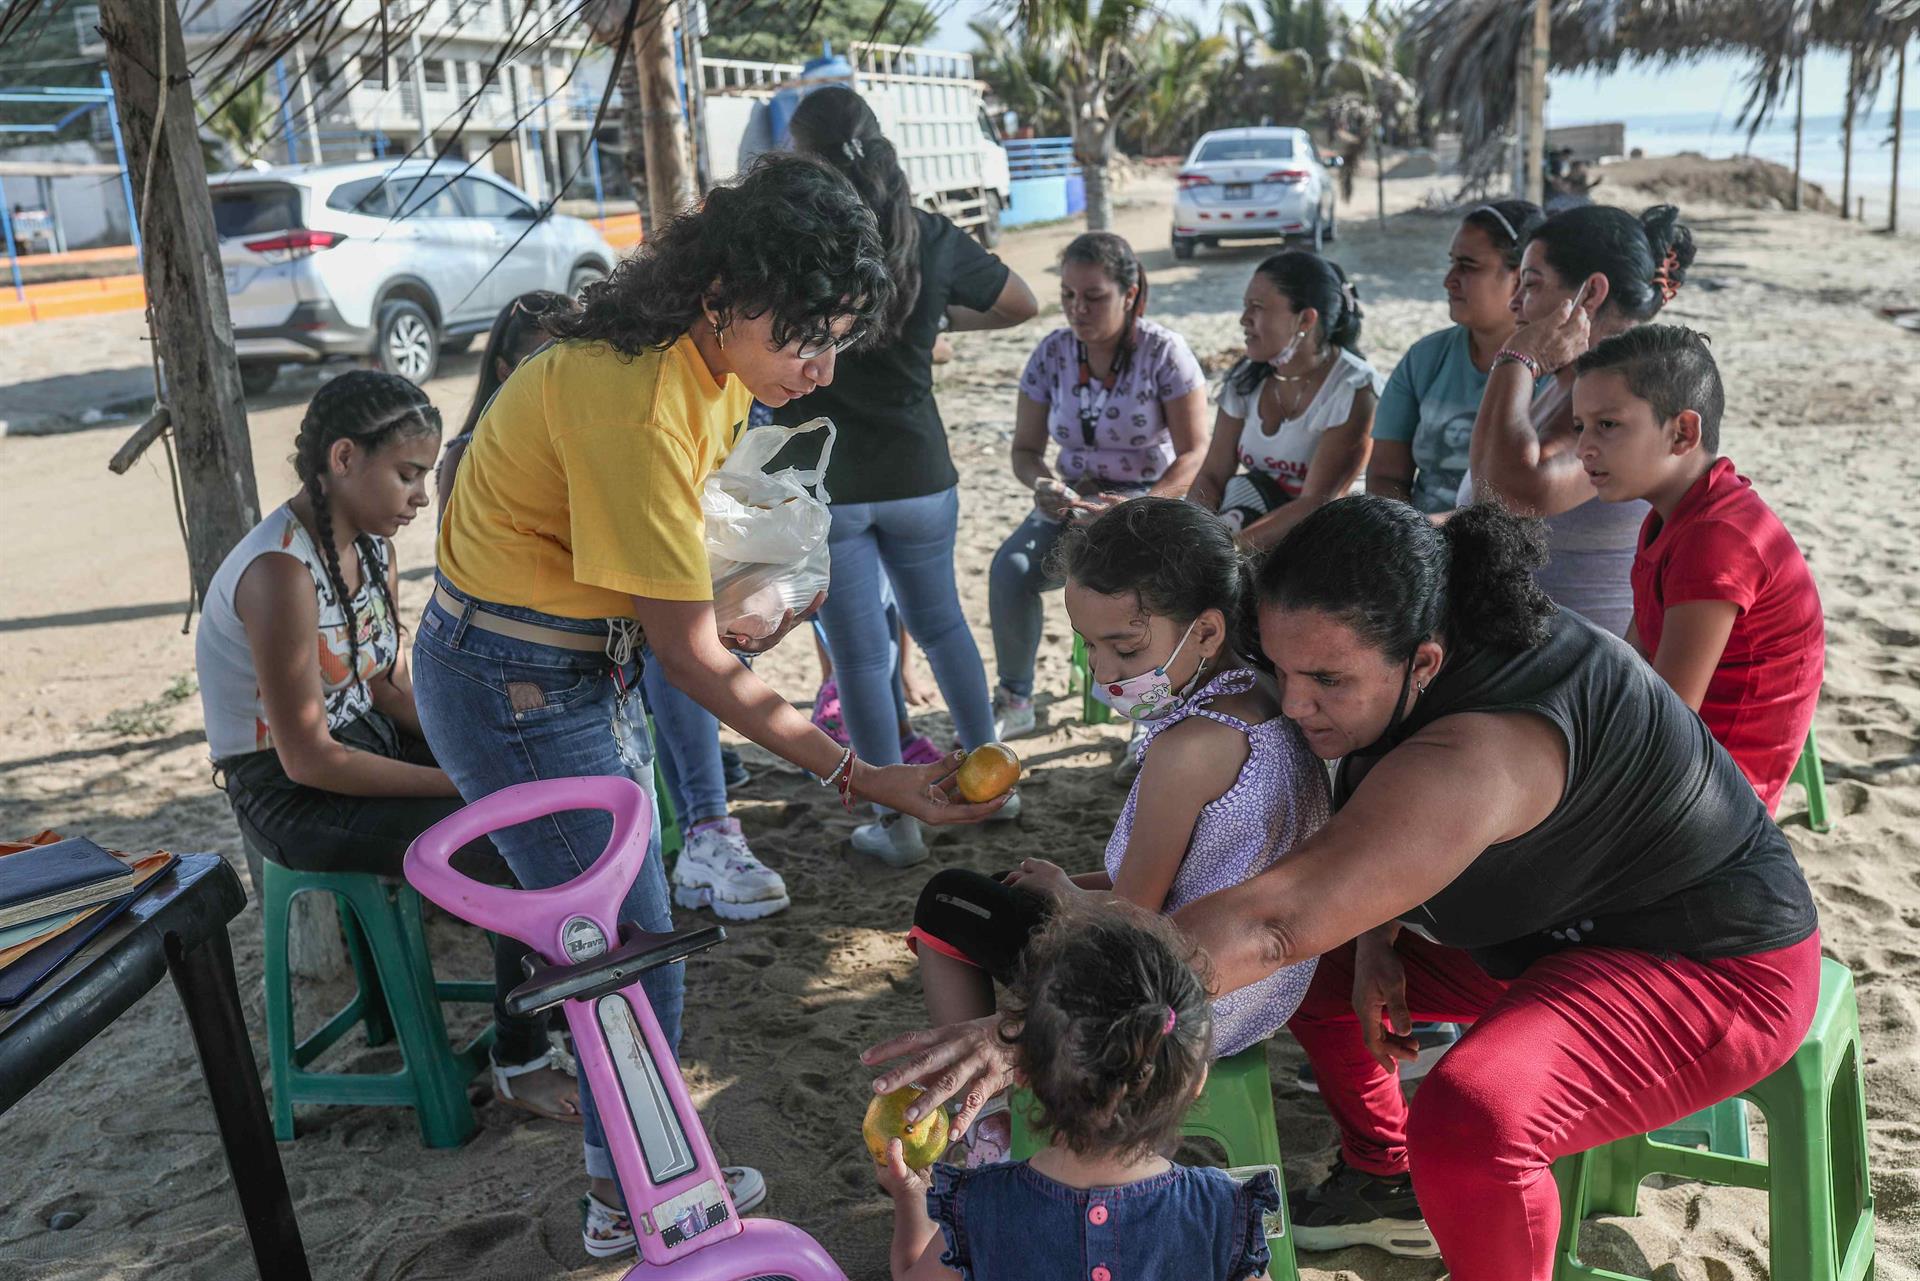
<point>1536,88</point>
<point>1899,111</point>
<point>1799,127</point>
<point>186,288</point>
<point>1846,150</point>
<point>669,176</point>
<point>1380,168</point>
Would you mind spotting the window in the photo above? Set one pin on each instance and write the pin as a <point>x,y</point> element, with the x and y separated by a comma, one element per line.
<point>368,196</point>
<point>435,72</point>
<point>425,196</point>
<point>251,210</point>
<point>373,72</point>
<point>486,200</point>
<point>460,78</point>
<point>1231,149</point>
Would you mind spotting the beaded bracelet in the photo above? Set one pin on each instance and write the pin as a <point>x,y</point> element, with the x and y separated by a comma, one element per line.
<point>1507,355</point>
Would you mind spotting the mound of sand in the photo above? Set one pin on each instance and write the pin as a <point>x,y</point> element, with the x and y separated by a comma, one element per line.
<point>1741,183</point>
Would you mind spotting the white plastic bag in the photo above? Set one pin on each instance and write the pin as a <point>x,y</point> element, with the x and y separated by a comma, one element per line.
<point>767,533</point>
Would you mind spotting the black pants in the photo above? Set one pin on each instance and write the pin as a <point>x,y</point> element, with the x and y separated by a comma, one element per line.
<point>310,830</point>
<point>979,919</point>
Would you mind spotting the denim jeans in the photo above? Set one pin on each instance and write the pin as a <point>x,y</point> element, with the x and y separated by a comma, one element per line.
<point>687,740</point>
<point>911,539</point>
<point>1014,584</point>
<point>499,711</point>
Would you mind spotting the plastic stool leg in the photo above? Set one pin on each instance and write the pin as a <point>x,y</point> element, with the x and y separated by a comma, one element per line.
<point>1809,774</point>
<point>276,900</point>
<point>379,1022</point>
<point>1092,710</point>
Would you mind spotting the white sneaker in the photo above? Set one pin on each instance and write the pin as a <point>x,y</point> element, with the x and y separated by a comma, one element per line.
<point>895,840</point>
<point>1013,717</point>
<point>717,870</point>
<point>747,1186</point>
<point>1007,813</point>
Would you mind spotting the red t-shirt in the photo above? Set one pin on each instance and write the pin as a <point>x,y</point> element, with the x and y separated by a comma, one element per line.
<point>1725,543</point>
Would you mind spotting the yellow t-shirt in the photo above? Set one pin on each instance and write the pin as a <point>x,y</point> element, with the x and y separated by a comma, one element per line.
<point>582,485</point>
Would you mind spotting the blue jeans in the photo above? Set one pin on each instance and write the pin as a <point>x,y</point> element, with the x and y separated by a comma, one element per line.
<point>1014,584</point>
<point>688,743</point>
<point>912,539</point>
<point>499,711</point>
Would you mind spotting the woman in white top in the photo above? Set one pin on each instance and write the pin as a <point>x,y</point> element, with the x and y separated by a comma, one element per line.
<point>1296,414</point>
<point>309,705</point>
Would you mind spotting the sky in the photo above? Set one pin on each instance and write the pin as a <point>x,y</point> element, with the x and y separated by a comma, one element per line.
<point>1712,85</point>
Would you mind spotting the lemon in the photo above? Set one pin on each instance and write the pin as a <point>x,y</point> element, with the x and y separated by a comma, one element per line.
<point>921,1143</point>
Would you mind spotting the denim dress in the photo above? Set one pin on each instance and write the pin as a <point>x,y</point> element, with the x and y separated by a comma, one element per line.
<point>1009,1222</point>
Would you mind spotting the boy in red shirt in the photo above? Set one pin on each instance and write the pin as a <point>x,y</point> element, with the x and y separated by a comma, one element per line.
<point>1723,603</point>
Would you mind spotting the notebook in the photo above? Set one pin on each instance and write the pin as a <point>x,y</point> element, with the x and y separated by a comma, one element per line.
<point>19,977</point>
<point>49,879</point>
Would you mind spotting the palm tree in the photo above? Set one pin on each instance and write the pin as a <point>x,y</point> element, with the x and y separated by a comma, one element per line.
<point>1092,41</point>
<point>1177,62</point>
<point>246,122</point>
<point>1022,77</point>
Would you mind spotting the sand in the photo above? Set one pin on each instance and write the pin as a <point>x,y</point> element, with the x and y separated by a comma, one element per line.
<point>91,585</point>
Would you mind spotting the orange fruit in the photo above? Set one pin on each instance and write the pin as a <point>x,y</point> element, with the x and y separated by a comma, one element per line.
<point>921,1143</point>
<point>990,770</point>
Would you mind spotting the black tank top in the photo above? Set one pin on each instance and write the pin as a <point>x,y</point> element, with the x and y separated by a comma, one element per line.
<point>1658,844</point>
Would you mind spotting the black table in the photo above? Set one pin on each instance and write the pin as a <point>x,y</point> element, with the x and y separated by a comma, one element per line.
<point>177,927</point>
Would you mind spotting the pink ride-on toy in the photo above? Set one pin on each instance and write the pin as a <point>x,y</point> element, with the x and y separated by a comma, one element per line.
<point>681,1209</point>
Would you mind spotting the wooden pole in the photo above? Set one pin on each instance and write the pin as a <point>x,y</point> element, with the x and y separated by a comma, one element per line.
<point>1846,150</point>
<point>186,290</point>
<point>1380,168</point>
<point>1899,112</point>
<point>1799,127</point>
<point>669,176</point>
<point>1522,132</point>
<point>1539,47</point>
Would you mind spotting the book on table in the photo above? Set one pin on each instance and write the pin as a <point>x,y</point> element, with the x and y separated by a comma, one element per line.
<point>48,880</point>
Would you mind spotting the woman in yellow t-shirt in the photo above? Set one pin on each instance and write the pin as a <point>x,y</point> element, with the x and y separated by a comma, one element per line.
<point>576,535</point>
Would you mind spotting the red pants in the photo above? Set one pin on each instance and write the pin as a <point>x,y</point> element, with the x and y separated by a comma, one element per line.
<point>1588,1045</point>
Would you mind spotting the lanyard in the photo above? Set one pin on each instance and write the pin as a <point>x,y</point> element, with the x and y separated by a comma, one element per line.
<point>1093,405</point>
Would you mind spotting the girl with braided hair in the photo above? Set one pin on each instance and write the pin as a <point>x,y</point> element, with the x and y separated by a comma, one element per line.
<point>308,700</point>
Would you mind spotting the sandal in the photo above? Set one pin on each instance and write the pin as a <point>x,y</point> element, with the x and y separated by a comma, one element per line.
<point>555,1060</point>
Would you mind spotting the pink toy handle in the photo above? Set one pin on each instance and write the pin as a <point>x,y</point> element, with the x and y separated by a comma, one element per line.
<point>534,916</point>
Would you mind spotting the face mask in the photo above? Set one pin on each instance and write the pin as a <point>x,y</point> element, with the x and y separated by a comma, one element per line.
<point>1150,695</point>
<point>1287,352</point>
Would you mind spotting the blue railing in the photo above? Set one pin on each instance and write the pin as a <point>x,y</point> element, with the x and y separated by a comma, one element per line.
<point>1046,181</point>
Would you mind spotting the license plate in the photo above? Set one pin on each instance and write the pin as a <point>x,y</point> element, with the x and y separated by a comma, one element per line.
<point>1239,191</point>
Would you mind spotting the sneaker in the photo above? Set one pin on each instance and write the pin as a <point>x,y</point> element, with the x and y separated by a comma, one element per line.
<point>734,772</point>
<point>1352,1207</point>
<point>746,1185</point>
<point>919,750</point>
<point>895,840</point>
<point>1128,767</point>
<point>1434,1039</point>
<point>717,870</point>
<point>1012,715</point>
<point>607,1231</point>
<point>1008,812</point>
<point>826,712</point>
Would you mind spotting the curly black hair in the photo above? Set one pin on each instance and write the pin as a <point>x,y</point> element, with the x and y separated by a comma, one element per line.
<point>792,238</point>
<point>1109,1022</point>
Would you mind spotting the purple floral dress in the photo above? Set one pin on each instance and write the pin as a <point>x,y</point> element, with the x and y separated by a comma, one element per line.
<point>1280,798</point>
<point>1116,436</point>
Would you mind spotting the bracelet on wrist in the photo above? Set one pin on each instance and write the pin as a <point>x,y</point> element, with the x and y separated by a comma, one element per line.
<point>832,777</point>
<point>1508,356</point>
<point>845,783</point>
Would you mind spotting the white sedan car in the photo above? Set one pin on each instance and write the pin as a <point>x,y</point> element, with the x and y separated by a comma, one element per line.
<point>1252,184</point>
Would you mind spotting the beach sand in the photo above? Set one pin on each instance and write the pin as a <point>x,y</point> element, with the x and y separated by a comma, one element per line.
<point>92,582</point>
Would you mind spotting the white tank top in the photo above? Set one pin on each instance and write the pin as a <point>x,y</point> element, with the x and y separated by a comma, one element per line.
<point>1285,450</point>
<point>229,687</point>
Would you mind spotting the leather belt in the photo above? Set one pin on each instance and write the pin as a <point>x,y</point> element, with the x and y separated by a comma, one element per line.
<point>519,629</point>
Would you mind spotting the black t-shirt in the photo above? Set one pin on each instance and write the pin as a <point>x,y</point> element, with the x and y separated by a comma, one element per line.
<point>891,443</point>
<point>1658,844</point>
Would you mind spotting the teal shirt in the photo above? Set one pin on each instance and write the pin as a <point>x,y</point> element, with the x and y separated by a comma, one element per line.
<point>1431,401</point>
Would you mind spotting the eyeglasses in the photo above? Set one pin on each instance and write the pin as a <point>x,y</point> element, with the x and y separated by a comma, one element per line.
<point>817,345</point>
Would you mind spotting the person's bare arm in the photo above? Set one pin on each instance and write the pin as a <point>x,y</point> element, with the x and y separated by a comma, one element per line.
<point>1190,766</point>
<point>1633,638</point>
<point>1015,306</point>
<point>1209,485</point>
<point>1030,439</point>
<point>1533,472</point>
<point>393,692</point>
<point>1338,459</point>
<point>686,643</point>
<point>277,607</point>
<point>1187,424</point>
<point>1390,470</point>
<point>1693,639</point>
<point>1399,840</point>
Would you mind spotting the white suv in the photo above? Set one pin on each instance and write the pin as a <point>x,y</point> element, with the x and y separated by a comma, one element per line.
<point>397,262</point>
<point>1247,184</point>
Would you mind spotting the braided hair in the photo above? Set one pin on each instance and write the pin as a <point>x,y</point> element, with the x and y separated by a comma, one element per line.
<point>368,408</point>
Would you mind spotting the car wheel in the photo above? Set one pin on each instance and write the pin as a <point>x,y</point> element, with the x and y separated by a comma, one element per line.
<point>583,275</point>
<point>454,344</point>
<point>1333,223</point>
<point>1319,232</point>
<point>1183,247</point>
<point>257,376</point>
<point>989,229</point>
<point>407,344</point>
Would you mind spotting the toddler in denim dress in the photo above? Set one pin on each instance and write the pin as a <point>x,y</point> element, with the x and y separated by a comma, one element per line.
<point>1111,1032</point>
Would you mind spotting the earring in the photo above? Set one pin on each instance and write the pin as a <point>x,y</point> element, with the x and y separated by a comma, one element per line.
<point>719,334</point>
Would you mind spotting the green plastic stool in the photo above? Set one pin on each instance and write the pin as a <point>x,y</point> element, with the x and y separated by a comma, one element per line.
<point>1814,780</point>
<point>1819,1198</point>
<point>1092,710</point>
<point>1235,1110</point>
<point>1721,1128</point>
<point>397,997</point>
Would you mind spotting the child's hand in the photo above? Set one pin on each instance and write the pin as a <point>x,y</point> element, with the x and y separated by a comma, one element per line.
<point>896,1178</point>
<point>1042,877</point>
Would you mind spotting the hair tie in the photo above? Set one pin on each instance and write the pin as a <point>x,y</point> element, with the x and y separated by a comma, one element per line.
<point>1172,1018</point>
<point>1663,278</point>
<point>853,150</point>
<point>1499,218</point>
